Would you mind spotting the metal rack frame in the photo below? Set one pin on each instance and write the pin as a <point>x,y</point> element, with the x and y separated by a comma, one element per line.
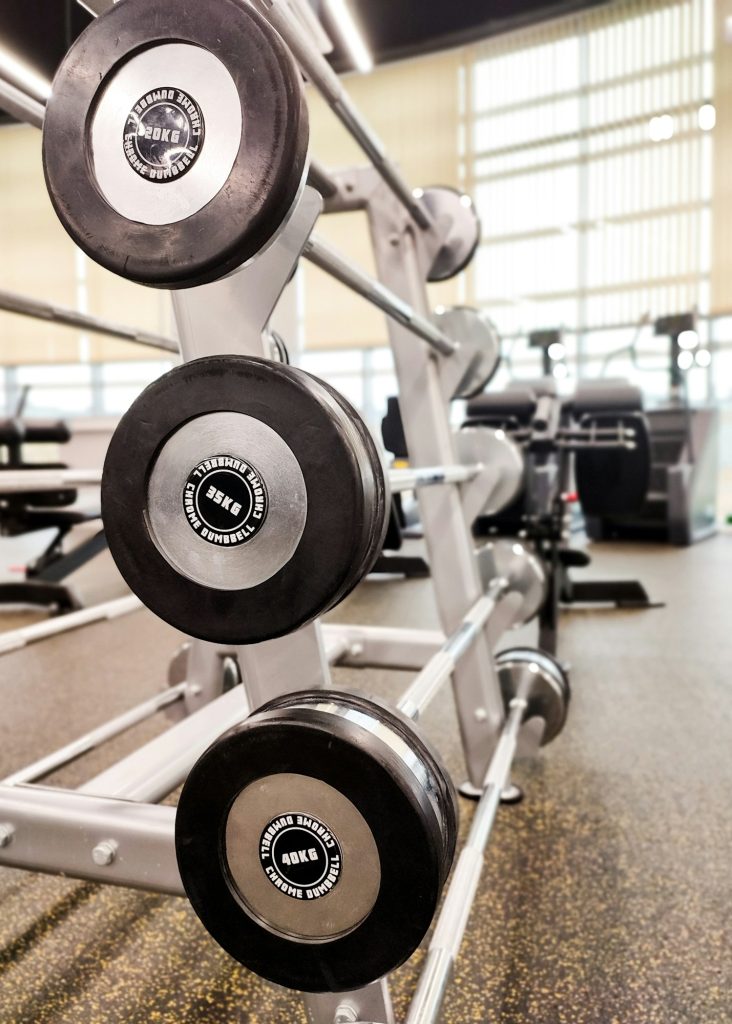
<point>111,829</point>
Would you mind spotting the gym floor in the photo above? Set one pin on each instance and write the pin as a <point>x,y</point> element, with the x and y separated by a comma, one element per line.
<point>606,895</point>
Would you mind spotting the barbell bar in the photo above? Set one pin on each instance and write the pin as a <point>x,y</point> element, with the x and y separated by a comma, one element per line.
<point>440,667</point>
<point>328,84</point>
<point>20,105</point>
<point>533,685</point>
<point>96,737</point>
<point>453,918</point>
<point>14,639</point>
<point>24,305</point>
<point>461,333</point>
<point>20,481</point>
<point>412,479</point>
<point>324,256</point>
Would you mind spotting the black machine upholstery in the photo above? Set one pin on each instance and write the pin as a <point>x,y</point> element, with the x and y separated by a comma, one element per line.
<point>31,511</point>
<point>596,442</point>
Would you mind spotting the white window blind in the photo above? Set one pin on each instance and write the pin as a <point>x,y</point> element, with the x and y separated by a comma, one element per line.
<point>587,147</point>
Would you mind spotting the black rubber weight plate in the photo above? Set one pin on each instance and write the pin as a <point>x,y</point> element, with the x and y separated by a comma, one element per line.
<point>339,513</point>
<point>267,170</point>
<point>376,525</point>
<point>413,736</point>
<point>357,764</point>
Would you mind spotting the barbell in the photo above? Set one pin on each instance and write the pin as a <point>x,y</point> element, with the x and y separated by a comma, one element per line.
<point>175,139</point>
<point>315,838</point>
<point>241,498</point>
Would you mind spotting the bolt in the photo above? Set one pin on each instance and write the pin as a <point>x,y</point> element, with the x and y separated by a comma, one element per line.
<point>481,715</point>
<point>345,1014</point>
<point>356,650</point>
<point>104,853</point>
<point>6,834</point>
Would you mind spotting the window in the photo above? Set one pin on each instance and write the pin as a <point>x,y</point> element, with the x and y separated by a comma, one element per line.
<point>590,157</point>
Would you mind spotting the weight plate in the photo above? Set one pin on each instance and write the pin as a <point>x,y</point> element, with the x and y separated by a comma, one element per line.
<point>175,139</point>
<point>455,218</point>
<point>278,348</point>
<point>237,500</point>
<point>314,840</point>
<point>524,572</point>
<point>538,678</point>
<point>495,450</point>
<point>480,347</point>
<point>232,530</point>
<point>375,484</point>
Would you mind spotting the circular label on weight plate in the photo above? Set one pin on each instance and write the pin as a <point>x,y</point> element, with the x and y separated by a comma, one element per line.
<point>163,134</point>
<point>300,856</point>
<point>225,501</point>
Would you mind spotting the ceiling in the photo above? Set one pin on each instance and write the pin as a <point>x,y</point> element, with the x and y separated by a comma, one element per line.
<point>394,29</point>
<point>40,31</point>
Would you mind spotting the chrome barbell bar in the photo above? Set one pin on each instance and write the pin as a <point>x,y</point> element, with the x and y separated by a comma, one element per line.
<point>96,737</point>
<point>458,903</point>
<point>15,639</point>
<point>19,481</point>
<point>326,81</point>
<point>24,305</point>
<point>324,256</point>
<point>441,665</point>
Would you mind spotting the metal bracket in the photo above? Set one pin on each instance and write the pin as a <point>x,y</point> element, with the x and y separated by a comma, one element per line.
<point>112,841</point>
<point>368,1005</point>
<point>229,316</point>
<point>403,252</point>
<point>354,188</point>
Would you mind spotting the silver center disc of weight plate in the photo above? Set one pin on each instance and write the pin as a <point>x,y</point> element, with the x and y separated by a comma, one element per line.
<point>189,120</point>
<point>317,824</point>
<point>230,562</point>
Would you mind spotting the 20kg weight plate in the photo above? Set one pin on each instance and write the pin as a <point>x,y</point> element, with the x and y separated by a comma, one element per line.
<point>175,139</point>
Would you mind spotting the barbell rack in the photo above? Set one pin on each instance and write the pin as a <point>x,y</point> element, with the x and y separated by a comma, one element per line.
<point>118,805</point>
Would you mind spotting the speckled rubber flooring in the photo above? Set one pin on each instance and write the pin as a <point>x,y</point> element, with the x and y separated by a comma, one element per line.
<point>607,895</point>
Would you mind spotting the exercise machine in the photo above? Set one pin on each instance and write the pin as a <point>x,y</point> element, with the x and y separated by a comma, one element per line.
<point>35,497</point>
<point>596,441</point>
<point>681,504</point>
